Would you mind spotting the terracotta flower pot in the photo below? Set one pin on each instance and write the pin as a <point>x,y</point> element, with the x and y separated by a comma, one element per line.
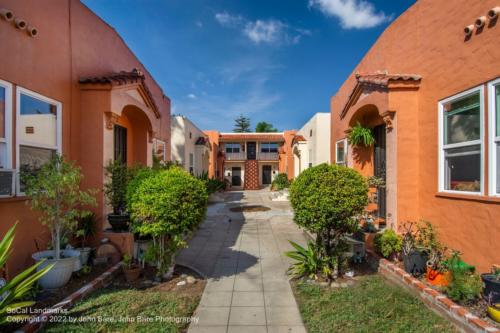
<point>132,273</point>
<point>436,278</point>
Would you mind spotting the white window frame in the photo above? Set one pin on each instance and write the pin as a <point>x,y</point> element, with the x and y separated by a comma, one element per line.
<point>344,162</point>
<point>442,146</point>
<point>7,122</point>
<point>57,147</point>
<point>492,138</point>
<point>164,144</point>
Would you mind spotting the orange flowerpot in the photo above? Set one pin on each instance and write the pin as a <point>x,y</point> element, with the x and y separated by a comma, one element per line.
<point>437,278</point>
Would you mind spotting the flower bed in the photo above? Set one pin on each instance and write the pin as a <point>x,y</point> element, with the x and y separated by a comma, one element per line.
<point>436,300</point>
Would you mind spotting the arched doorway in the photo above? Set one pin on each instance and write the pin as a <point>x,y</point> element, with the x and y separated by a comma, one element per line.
<point>131,136</point>
<point>371,161</point>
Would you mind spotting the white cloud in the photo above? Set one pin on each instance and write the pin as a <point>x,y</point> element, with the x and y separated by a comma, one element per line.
<point>353,14</point>
<point>263,31</point>
<point>228,20</point>
<point>192,96</point>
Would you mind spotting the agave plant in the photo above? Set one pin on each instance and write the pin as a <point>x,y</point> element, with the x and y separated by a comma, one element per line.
<point>15,291</point>
<point>308,261</point>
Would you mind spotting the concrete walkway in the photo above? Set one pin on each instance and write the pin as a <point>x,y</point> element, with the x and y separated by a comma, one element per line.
<point>241,254</point>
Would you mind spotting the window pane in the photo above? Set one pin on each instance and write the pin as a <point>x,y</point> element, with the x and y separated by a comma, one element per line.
<point>497,105</point>
<point>498,167</point>
<point>463,169</point>
<point>2,112</point>
<point>462,119</point>
<point>273,147</point>
<point>38,123</point>
<point>31,159</point>
<point>340,152</point>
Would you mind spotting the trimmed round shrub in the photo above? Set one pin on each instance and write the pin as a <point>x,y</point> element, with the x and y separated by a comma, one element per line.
<point>166,204</point>
<point>388,243</point>
<point>326,199</point>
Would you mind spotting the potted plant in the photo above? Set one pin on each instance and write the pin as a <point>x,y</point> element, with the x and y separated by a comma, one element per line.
<point>388,244</point>
<point>131,270</point>
<point>414,258</point>
<point>115,190</point>
<point>492,285</point>
<point>86,229</point>
<point>361,136</point>
<point>55,193</point>
<point>464,284</point>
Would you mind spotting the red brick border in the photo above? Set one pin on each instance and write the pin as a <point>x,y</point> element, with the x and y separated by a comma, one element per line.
<point>438,302</point>
<point>37,322</point>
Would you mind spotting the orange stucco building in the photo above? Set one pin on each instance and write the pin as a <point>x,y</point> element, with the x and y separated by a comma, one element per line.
<point>69,84</point>
<point>429,89</point>
<point>250,160</point>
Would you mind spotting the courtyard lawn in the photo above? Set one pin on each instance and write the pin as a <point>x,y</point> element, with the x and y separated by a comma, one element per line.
<point>109,310</point>
<point>371,305</point>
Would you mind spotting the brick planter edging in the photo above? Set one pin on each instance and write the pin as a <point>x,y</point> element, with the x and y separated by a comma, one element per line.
<point>35,323</point>
<point>465,320</point>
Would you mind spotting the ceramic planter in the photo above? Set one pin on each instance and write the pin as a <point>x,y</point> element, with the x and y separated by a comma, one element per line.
<point>491,290</point>
<point>415,262</point>
<point>437,278</point>
<point>132,273</point>
<point>84,255</point>
<point>119,222</point>
<point>60,274</point>
<point>494,312</point>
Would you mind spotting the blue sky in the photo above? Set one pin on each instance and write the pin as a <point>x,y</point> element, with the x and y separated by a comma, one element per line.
<point>272,60</point>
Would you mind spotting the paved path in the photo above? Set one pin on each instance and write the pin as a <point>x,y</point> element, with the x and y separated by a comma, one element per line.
<point>241,254</point>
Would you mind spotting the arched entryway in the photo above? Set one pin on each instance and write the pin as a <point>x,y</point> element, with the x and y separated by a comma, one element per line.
<point>131,136</point>
<point>372,160</point>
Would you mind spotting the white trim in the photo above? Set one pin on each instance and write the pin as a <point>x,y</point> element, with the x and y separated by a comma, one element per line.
<point>57,147</point>
<point>8,122</point>
<point>492,139</point>
<point>442,147</point>
<point>344,141</point>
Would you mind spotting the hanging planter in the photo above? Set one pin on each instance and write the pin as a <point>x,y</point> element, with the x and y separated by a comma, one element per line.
<point>361,136</point>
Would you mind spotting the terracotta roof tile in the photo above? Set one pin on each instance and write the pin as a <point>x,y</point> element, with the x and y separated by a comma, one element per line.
<point>384,79</point>
<point>123,77</point>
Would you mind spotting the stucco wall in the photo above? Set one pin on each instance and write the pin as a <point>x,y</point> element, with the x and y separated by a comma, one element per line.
<point>184,134</point>
<point>428,40</point>
<point>72,43</point>
<point>317,146</point>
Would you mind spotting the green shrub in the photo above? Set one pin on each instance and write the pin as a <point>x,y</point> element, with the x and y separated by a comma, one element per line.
<point>388,243</point>
<point>280,182</point>
<point>166,205</point>
<point>465,285</point>
<point>360,135</point>
<point>326,199</point>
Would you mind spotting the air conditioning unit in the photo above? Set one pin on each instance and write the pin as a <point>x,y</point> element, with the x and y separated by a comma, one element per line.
<point>7,183</point>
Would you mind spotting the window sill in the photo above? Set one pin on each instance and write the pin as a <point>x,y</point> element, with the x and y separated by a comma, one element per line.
<point>470,197</point>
